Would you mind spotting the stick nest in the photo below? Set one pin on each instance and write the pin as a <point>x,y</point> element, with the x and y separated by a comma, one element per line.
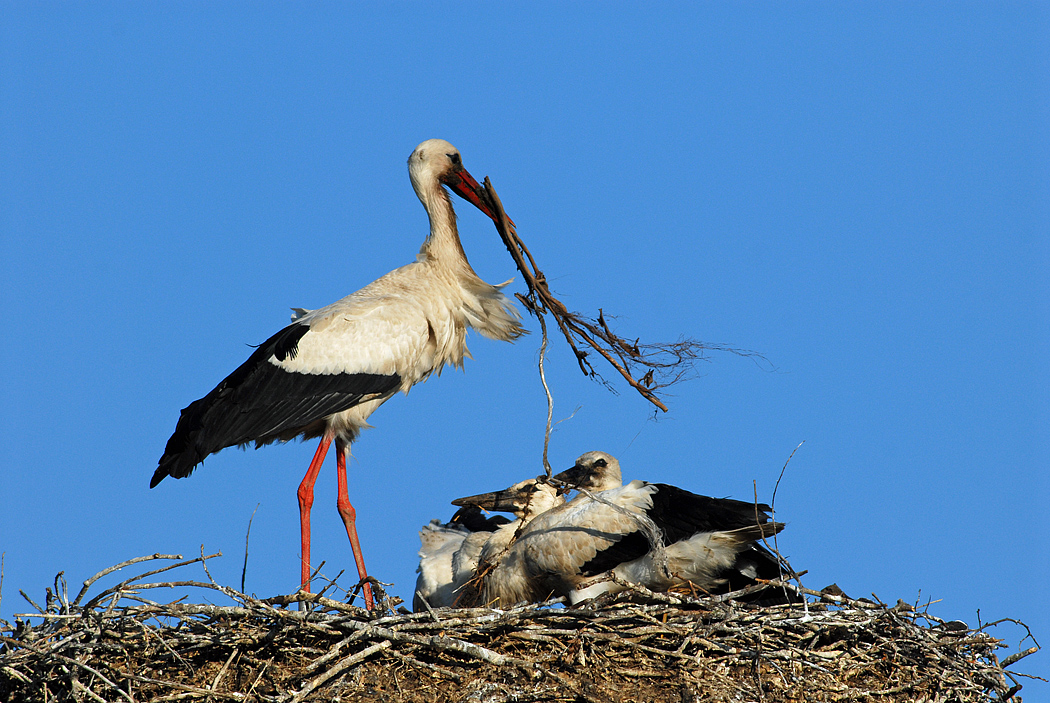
<point>638,646</point>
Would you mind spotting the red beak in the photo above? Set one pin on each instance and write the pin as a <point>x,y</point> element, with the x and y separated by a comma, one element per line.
<point>464,185</point>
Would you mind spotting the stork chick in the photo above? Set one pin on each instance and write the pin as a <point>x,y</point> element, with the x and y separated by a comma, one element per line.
<point>573,549</point>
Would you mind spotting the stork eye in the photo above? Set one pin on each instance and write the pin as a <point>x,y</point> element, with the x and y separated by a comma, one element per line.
<point>600,463</point>
<point>455,158</point>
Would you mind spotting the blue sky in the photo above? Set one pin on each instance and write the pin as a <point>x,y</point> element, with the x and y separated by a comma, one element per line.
<point>858,192</point>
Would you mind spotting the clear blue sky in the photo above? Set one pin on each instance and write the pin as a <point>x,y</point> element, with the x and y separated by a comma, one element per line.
<point>859,192</point>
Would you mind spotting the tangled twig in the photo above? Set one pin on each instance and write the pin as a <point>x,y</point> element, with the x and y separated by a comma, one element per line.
<point>648,368</point>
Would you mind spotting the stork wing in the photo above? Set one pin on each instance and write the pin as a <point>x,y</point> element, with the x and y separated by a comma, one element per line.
<point>325,363</point>
<point>568,540</point>
<point>681,514</point>
<point>588,538</point>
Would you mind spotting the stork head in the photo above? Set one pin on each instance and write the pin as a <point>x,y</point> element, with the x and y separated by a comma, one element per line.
<point>526,499</point>
<point>595,471</point>
<point>435,163</point>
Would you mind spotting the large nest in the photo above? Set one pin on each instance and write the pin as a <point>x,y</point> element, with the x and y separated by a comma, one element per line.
<point>119,646</point>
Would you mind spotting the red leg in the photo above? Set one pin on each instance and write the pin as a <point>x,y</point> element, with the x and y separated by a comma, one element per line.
<point>349,515</point>
<point>306,501</point>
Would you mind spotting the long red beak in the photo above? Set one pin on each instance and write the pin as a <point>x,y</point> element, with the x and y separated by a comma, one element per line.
<point>464,185</point>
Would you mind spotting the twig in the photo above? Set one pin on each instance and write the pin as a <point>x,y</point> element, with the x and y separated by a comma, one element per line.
<point>69,660</point>
<point>1014,658</point>
<point>186,687</point>
<point>225,590</point>
<point>31,601</point>
<point>247,535</point>
<point>1028,636</point>
<point>81,688</point>
<point>222,671</point>
<point>62,591</point>
<point>258,678</point>
<point>648,368</point>
<point>316,571</point>
<point>117,567</point>
<point>426,605</point>
<point>550,398</point>
<point>782,563</point>
<point>339,668</point>
<point>432,667</point>
<point>123,584</point>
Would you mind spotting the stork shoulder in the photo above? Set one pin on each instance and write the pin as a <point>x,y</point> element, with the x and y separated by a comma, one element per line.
<point>636,496</point>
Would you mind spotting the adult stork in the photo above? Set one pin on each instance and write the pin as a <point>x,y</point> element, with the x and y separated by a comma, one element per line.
<point>323,375</point>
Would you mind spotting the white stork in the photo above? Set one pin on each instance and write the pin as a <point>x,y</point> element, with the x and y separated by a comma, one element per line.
<point>443,542</point>
<point>481,552</point>
<point>710,542</point>
<point>451,552</point>
<point>656,535</point>
<point>323,375</point>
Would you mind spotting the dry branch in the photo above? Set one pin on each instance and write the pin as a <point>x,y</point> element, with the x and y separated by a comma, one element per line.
<point>648,368</point>
<point>636,645</point>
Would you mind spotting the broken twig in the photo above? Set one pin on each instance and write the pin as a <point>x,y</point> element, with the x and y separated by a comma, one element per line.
<point>648,368</point>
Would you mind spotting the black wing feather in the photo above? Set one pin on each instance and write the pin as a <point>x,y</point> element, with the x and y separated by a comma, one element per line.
<point>767,567</point>
<point>679,514</point>
<point>471,517</point>
<point>259,402</point>
<point>634,545</point>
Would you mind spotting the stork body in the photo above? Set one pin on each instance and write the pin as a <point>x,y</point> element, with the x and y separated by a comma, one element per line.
<point>652,534</point>
<point>327,372</point>
<point>464,534</point>
<point>481,553</point>
<point>710,542</point>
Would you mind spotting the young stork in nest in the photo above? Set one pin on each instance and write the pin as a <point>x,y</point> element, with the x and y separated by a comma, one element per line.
<point>710,542</point>
<point>482,553</point>
<point>442,544</point>
<point>652,534</point>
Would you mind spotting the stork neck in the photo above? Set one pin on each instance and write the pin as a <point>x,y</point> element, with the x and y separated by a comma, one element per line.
<point>443,242</point>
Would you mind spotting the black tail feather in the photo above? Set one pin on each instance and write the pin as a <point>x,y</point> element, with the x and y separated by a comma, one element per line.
<point>261,402</point>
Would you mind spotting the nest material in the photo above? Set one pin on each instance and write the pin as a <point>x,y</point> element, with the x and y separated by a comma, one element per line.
<point>638,646</point>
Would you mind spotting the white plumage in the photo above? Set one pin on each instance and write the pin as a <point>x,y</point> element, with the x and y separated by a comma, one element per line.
<point>327,372</point>
<point>655,535</point>
<point>480,552</point>
<point>449,555</point>
<point>434,583</point>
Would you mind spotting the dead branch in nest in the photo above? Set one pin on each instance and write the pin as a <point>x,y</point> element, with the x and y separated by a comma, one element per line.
<point>639,645</point>
<point>648,368</point>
